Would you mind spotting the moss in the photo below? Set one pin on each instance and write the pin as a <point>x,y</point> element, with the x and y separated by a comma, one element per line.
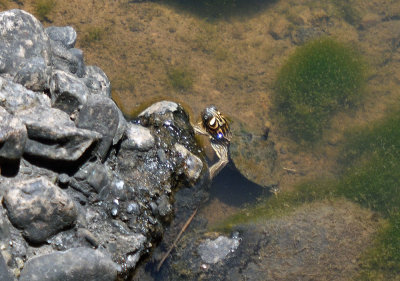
<point>180,78</point>
<point>370,177</point>
<point>92,34</point>
<point>382,261</point>
<point>319,79</point>
<point>43,8</point>
<point>276,206</point>
<point>3,4</point>
<point>372,160</point>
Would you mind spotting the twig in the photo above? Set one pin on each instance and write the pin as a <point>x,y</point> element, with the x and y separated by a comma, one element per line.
<point>176,240</point>
<point>290,170</point>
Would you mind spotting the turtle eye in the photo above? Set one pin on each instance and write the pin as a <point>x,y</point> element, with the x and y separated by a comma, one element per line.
<point>213,123</point>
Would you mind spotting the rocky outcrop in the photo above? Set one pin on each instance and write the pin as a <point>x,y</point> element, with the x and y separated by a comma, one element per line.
<point>85,193</point>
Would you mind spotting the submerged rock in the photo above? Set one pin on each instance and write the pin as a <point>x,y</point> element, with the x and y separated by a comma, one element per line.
<point>308,242</point>
<point>213,251</point>
<point>72,265</point>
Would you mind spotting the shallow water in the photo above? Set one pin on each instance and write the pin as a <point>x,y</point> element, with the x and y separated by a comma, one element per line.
<point>155,50</point>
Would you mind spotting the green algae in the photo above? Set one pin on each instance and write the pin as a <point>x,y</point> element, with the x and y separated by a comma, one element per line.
<point>43,8</point>
<point>319,79</point>
<point>370,177</point>
<point>180,78</point>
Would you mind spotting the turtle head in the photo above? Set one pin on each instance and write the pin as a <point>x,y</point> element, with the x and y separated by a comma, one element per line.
<point>215,124</point>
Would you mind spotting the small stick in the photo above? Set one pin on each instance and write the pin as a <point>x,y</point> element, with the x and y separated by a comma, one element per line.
<point>290,170</point>
<point>176,240</point>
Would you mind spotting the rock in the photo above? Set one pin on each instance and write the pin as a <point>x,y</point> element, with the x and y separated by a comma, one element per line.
<point>122,124</point>
<point>34,74</point>
<point>303,34</point>
<point>100,114</point>
<point>13,136</point>
<point>369,20</point>
<point>68,93</point>
<point>98,177</point>
<point>192,165</point>
<point>70,61</point>
<point>159,108</point>
<point>5,274</point>
<point>138,137</point>
<point>81,68</point>
<point>39,208</point>
<point>279,28</point>
<point>72,265</point>
<point>14,97</point>
<point>163,205</point>
<point>213,251</point>
<point>94,174</point>
<point>22,38</point>
<point>52,135</point>
<point>63,34</point>
<point>97,81</point>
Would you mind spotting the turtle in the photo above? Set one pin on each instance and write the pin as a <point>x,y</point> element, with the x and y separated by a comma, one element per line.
<point>214,125</point>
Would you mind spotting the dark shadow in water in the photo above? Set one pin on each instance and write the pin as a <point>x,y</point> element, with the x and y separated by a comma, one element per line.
<point>232,188</point>
<point>220,9</point>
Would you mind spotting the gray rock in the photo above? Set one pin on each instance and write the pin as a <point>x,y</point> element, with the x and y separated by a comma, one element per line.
<point>67,60</point>
<point>4,230</point>
<point>97,81</point>
<point>100,114</point>
<point>161,107</point>
<point>163,205</point>
<point>34,74</point>
<point>72,265</point>
<point>213,251</point>
<point>5,274</point>
<point>122,124</point>
<point>138,137</point>
<point>22,37</point>
<point>98,177</point>
<point>81,68</point>
<point>192,165</point>
<point>94,174</point>
<point>13,136</point>
<point>64,34</point>
<point>68,93</point>
<point>39,208</point>
<point>52,135</point>
<point>14,97</point>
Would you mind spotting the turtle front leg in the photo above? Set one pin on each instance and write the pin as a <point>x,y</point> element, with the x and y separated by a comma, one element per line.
<point>222,153</point>
<point>199,129</point>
